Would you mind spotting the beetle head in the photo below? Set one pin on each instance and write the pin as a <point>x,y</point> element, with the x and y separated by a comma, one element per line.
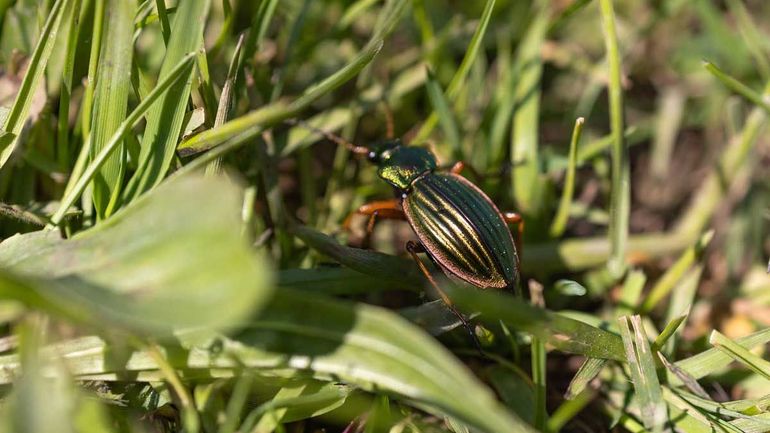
<point>399,165</point>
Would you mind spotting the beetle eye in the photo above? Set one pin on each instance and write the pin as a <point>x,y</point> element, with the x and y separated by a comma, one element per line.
<point>372,155</point>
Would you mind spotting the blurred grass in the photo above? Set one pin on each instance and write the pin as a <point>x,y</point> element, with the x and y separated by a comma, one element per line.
<point>163,300</point>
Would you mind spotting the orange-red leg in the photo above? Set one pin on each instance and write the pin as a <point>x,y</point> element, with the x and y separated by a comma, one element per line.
<point>414,248</point>
<point>461,166</point>
<point>387,209</point>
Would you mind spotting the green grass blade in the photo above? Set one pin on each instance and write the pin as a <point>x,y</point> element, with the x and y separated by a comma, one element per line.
<point>227,99</point>
<point>590,368</point>
<point>620,195</point>
<point>559,331</point>
<point>458,79</point>
<point>668,332</point>
<point>32,79</point>
<point>736,86</point>
<point>445,116</point>
<point>528,185</point>
<point>740,353</point>
<point>177,75</point>
<point>559,223</point>
<point>113,81</point>
<point>682,298</point>
<point>127,272</point>
<point>62,136</point>
<point>93,64</point>
<point>165,26</point>
<point>688,381</point>
<point>713,360</point>
<point>675,273</point>
<point>643,373</point>
<point>164,121</point>
<point>358,344</point>
<point>751,35</point>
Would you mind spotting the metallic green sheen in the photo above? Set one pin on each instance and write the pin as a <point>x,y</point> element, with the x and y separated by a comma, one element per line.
<point>462,230</point>
<point>401,165</point>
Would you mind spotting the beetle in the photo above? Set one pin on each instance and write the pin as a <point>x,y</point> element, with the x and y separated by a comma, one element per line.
<point>457,225</point>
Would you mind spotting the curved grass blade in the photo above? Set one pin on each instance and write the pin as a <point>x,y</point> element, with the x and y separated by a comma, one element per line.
<point>562,214</point>
<point>37,63</point>
<point>174,258</point>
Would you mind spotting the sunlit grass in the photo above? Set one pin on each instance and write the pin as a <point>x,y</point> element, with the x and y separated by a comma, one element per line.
<point>173,255</point>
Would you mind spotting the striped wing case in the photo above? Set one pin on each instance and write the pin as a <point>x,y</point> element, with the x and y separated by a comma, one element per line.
<point>462,230</point>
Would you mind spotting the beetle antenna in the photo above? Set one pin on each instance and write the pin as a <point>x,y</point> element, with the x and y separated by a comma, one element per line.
<point>358,150</point>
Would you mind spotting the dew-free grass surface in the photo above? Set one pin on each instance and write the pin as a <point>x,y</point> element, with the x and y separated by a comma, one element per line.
<point>174,256</point>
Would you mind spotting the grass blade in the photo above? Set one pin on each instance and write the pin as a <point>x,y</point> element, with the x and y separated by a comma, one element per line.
<point>740,353</point>
<point>227,99</point>
<point>445,116</point>
<point>113,82</point>
<point>525,176</point>
<point>20,109</point>
<point>164,121</point>
<point>736,86</point>
<point>643,373</point>
<point>620,195</point>
<point>562,214</point>
<point>358,344</point>
<point>127,272</point>
<point>590,368</point>
<point>177,75</point>
<point>563,333</point>
<point>713,360</point>
<point>675,273</point>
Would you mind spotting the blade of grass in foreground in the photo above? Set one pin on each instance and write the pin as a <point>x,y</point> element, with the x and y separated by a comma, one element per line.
<point>164,121</point>
<point>20,109</point>
<point>565,334</point>
<point>643,373</point>
<point>359,344</point>
<point>180,72</point>
<point>620,195</point>
<point>113,81</point>
<point>127,271</point>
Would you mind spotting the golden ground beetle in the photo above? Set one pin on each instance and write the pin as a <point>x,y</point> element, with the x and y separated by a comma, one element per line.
<point>456,224</point>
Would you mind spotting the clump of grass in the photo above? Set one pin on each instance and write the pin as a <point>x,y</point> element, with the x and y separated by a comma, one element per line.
<point>173,256</point>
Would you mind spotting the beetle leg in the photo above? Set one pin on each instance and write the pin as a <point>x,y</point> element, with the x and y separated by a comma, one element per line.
<point>413,248</point>
<point>460,166</point>
<point>515,218</point>
<point>387,209</point>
